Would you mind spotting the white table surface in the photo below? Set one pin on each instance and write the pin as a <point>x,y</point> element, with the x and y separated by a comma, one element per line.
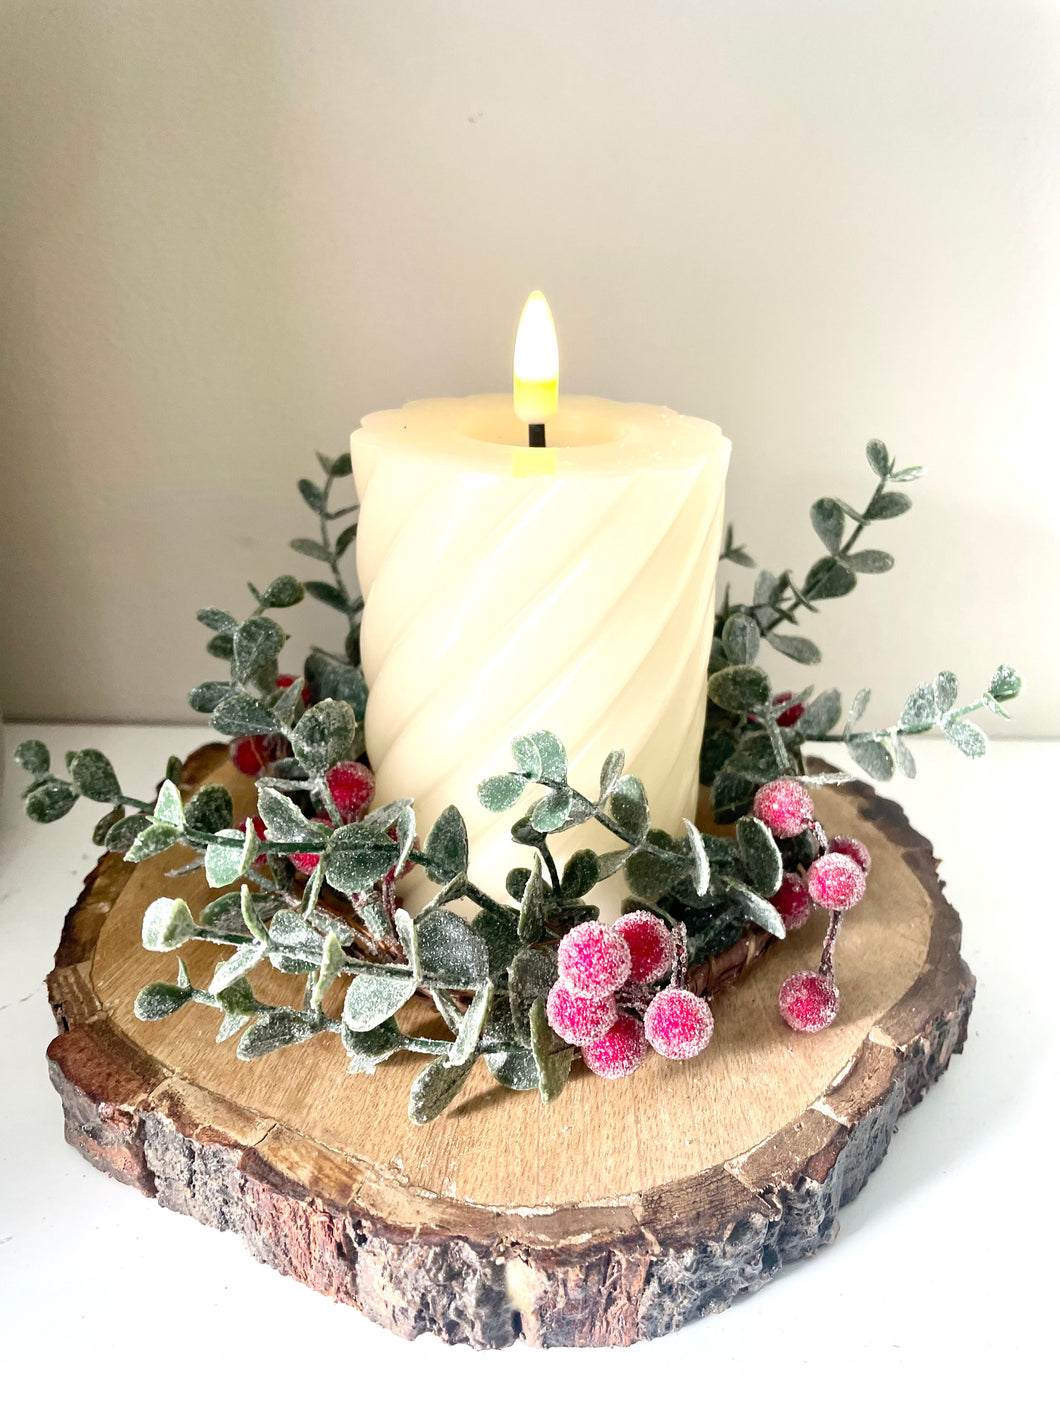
<point>941,1283</point>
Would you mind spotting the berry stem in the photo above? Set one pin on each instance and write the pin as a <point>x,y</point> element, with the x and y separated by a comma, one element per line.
<point>835,924</point>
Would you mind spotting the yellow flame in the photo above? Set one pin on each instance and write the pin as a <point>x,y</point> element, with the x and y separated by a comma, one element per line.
<point>536,362</point>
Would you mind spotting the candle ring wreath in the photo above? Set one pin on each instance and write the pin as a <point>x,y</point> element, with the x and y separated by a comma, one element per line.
<point>533,980</point>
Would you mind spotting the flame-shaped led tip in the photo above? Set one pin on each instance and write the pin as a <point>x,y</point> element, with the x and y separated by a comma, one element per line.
<point>536,362</point>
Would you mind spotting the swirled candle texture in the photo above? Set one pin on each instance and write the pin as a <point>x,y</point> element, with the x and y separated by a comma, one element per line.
<point>510,590</point>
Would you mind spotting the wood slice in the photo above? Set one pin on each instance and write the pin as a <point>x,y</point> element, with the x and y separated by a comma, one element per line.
<point>620,1212</point>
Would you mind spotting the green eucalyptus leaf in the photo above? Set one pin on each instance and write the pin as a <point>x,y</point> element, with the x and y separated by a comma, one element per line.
<point>451,953</point>
<point>217,620</point>
<point>93,776</point>
<point>446,846</point>
<point>873,756</point>
<point>969,739</point>
<point>155,839</point>
<point>829,579</point>
<point>339,680</point>
<point>106,824</point>
<point>700,862</point>
<point>552,754</point>
<point>284,821</point>
<point>345,539</point>
<point>800,650</point>
<point>50,801</point>
<point>629,806</point>
<point>553,811</point>
<point>821,715</point>
<point>611,773</point>
<point>740,638</point>
<point>553,1065</point>
<point>224,862</point>
<point>274,1031</point>
<point>311,494</point>
<point>167,924</point>
<point>499,933</point>
<point>243,960</point>
<point>904,757</point>
<point>326,735</point>
<point>122,834</point>
<point>826,517</point>
<point>946,688</point>
<point>526,756</point>
<point>730,796</point>
<point>756,909</point>
<point>739,689</point>
<point>879,458</point>
<point>581,873</point>
<point>760,855</point>
<point>515,1069</point>
<point>373,997</point>
<point>920,710</point>
<point>169,808</point>
<point>910,473</point>
<point>240,714</point>
<point>1005,684</point>
<point>313,549</point>
<point>890,504</point>
<point>220,645</point>
<point>34,757</point>
<point>467,1036</point>
<point>435,1088</point>
<point>368,1048</point>
<point>500,792</point>
<point>284,592</point>
<point>870,561</point>
<point>531,976</point>
<point>160,999</point>
<point>326,593</point>
<point>207,696</point>
<point>857,707</point>
<point>360,855</point>
<point>255,643</point>
<point>209,810</point>
<point>341,466</point>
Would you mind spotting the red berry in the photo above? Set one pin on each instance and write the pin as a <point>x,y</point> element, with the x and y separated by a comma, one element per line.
<point>352,788</point>
<point>577,1019</point>
<point>792,901</point>
<point>678,1024</point>
<point>285,680</point>
<point>793,713</point>
<point>843,844</point>
<point>619,1052</point>
<point>249,754</point>
<point>651,948</point>
<point>835,881</point>
<point>785,807</point>
<point>594,960</point>
<point>808,1001</point>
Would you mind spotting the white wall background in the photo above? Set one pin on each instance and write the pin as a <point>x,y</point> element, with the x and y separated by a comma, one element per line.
<point>231,229</point>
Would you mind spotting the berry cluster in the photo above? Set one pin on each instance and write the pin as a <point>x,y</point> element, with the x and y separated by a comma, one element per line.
<point>834,881</point>
<point>604,1001</point>
<point>252,754</point>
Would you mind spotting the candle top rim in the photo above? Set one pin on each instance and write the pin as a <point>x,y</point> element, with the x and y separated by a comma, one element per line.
<point>588,435</point>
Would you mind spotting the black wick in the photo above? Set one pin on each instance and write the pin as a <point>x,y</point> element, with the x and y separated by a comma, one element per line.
<point>537,434</point>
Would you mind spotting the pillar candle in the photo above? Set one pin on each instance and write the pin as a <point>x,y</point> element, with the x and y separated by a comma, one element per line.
<point>509,590</point>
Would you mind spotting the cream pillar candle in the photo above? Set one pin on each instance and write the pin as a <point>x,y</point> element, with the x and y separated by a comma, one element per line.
<point>510,590</point>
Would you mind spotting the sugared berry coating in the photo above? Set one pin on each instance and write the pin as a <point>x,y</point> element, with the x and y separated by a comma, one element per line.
<point>249,754</point>
<point>793,713</point>
<point>678,1024</point>
<point>619,1052</point>
<point>843,844</point>
<point>836,881</point>
<point>808,1001</point>
<point>593,960</point>
<point>352,787</point>
<point>785,807</point>
<point>792,901</point>
<point>651,948</point>
<point>577,1019</point>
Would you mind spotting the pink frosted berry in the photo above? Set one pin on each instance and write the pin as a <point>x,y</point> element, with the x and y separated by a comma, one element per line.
<point>577,1019</point>
<point>808,1001</point>
<point>352,787</point>
<point>594,960</point>
<point>785,807</point>
<point>619,1052</point>
<point>843,844</point>
<point>678,1024</point>
<point>651,948</point>
<point>792,901</point>
<point>835,881</point>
